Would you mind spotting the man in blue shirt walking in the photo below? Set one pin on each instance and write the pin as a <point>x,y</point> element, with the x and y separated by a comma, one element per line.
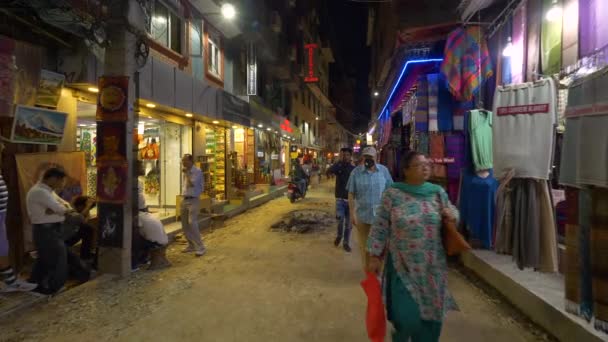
<point>342,170</point>
<point>365,187</point>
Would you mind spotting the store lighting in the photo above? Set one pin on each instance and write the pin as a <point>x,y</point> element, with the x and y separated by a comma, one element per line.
<point>417,61</point>
<point>261,126</point>
<point>508,50</point>
<point>215,122</point>
<point>150,105</point>
<point>94,90</point>
<point>189,115</point>
<point>141,128</point>
<point>235,127</point>
<point>317,118</point>
<point>555,12</point>
<point>228,11</point>
<point>269,129</point>
<point>376,94</point>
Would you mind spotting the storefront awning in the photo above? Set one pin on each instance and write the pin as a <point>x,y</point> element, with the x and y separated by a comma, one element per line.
<point>233,109</point>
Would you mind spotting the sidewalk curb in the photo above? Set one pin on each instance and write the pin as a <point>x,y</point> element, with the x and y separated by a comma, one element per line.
<point>535,294</point>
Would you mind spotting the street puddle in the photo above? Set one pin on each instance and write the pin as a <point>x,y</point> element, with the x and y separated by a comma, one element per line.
<point>304,221</point>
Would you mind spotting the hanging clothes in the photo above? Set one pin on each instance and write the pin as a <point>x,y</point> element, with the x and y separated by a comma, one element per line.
<point>423,143</point>
<point>466,64</point>
<point>459,109</point>
<point>480,130</point>
<point>584,159</point>
<point>599,256</point>
<point>523,129</point>
<point>548,234</point>
<point>526,230</point>
<point>506,32</point>
<point>422,105</point>
<point>570,36</point>
<point>573,262</point>
<point>551,43</point>
<point>437,153</point>
<point>535,18</point>
<point>518,61</point>
<point>455,145</point>
<point>584,222</point>
<point>593,26</point>
<point>433,96</point>
<point>477,207</point>
<point>503,243</point>
<point>445,106</point>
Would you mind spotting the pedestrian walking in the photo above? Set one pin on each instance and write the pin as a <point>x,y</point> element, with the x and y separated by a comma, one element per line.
<point>415,271</point>
<point>47,213</point>
<point>342,169</point>
<point>192,188</point>
<point>365,186</point>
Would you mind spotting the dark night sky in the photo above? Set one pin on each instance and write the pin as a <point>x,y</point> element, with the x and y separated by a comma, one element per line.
<point>348,32</point>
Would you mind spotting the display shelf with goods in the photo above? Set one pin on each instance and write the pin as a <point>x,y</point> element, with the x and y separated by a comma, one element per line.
<point>216,151</point>
<point>206,164</point>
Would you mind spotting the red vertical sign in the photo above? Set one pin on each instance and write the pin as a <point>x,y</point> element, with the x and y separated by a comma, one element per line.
<point>311,76</point>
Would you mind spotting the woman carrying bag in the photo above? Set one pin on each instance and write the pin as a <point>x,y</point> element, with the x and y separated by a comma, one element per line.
<point>407,239</point>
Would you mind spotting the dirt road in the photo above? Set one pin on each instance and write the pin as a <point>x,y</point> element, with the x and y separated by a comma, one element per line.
<point>253,285</point>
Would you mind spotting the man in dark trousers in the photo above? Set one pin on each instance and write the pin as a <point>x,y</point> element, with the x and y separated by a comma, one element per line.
<point>342,170</point>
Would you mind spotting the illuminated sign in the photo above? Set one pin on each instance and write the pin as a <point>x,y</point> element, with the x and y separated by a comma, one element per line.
<point>286,126</point>
<point>311,76</point>
<point>252,70</point>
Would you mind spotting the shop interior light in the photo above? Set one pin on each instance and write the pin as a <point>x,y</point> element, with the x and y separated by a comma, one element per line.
<point>141,128</point>
<point>508,50</point>
<point>189,115</point>
<point>261,126</point>
<point>269,129</point>
<point>215,122</point>
<point>235,127</point>
<point>396,85</point>
<point>555,12</point>
<point>150,105</point>
<point>228,11</point>
<point>376,94</point>
<point>94,90</point>
<point>317,118</point>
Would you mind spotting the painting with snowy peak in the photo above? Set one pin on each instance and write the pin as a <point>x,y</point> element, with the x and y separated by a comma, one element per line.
<point>33,125</point>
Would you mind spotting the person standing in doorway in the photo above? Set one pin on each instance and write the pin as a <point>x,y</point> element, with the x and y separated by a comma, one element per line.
<point>365,187</point>
<point>192,188</point>
<point>342,169</point>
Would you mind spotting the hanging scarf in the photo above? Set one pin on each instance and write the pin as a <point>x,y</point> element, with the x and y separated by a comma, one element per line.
<point>424,190</point>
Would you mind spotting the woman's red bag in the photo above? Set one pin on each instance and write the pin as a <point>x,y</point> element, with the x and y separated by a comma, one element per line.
<point>376,317</point>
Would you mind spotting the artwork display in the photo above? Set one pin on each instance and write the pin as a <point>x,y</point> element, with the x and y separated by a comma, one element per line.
<point>111,223</point>
<point>112,183</point>
<point>49,88</point>
<point>33,125</point>
<point>112,145</point>
<point>112,100</point>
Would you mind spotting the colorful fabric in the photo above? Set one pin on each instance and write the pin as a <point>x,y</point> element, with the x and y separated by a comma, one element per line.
<point>433,96</point>
<point>519,35</point>
<point>505,66</point>
<point>403,311</point>
<point>455,146</point>
<point>423,143</point>
<point>548,234</point>
<point>503,235</point>
<point>535,18</point>
<point>586,284</point>
<point>599,256</point>
<point>459,109</point>
<point>425,190</point>
<point>466,64</point>
<point>422,106</point>
<point>526,229</point>
<point>480,129</point>
<point>551,43</point>
<point>367,188</point>
<point>409,229</point>
<point>445,108</point>
<point>570,35</point>
<point>437,153</point>
<point>573,262</point>
<point>593,26</point>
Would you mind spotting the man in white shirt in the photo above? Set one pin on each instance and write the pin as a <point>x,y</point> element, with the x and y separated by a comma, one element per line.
<point>46,211</point>
<point>192,188</point>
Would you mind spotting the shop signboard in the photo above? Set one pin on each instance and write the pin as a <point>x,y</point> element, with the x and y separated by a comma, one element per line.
<point>252,70</point>
<point>235,110</point>
<point>34,125</point>
<point>31,166</point>
<point>311,63</point>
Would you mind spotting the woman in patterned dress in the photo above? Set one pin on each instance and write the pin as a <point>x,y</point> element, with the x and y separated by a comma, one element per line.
<point>406,237</point>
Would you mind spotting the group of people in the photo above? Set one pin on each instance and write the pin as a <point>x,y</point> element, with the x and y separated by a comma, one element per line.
<point>399,234</point>
<point>58,225</point>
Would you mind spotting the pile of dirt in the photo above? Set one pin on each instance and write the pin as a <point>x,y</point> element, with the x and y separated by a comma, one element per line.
<point>304,221</point>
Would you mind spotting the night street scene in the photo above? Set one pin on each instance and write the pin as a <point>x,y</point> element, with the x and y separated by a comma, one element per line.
<point>304,170</point>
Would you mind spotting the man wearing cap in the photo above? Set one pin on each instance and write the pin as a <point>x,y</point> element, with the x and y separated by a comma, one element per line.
<point>365,186</point>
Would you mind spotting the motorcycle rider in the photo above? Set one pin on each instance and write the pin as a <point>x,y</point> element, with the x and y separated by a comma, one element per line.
<point>300,177</point>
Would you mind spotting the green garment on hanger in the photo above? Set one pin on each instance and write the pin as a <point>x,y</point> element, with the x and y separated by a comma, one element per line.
<point>551,41</point>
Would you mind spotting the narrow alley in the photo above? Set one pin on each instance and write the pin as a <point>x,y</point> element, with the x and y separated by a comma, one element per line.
<point>253,285</point>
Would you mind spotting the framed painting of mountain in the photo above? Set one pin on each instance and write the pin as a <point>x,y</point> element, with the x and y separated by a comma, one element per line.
<point>33,125</point>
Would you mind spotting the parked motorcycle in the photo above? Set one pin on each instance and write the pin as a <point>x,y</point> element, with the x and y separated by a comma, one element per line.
<point>294,192</point>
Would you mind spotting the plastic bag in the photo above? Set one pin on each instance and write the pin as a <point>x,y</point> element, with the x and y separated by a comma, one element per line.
<point>376,316</point>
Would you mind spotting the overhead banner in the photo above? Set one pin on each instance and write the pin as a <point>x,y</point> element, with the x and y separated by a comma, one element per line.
<point>31,166</point>
<point>252,70</point>
<point>311,63</point>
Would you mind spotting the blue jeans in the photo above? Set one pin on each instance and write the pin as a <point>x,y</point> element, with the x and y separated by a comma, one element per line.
<point>343,216</point>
